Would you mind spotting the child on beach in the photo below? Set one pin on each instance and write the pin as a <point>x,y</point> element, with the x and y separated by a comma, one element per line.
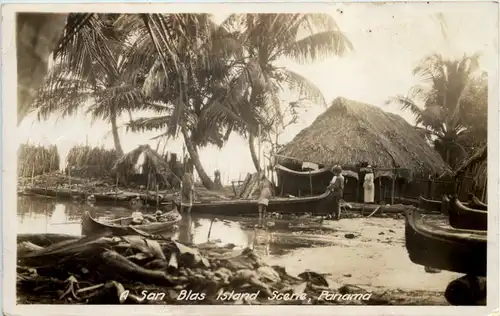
<point>265,195</point>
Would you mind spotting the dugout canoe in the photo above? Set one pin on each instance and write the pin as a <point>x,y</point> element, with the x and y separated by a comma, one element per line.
<point>122,227</point>
<point>432,206</point>
<point>463,217</point>
<point>439,246</point>
<point>476,203</point>
<point>122,198</point>
<point>296,205</point>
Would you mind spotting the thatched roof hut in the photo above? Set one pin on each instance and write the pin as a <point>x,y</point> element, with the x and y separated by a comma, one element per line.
<point>476,165</point>
<point>479,157</point>
<point>350,133</point>
<point>153,167</point>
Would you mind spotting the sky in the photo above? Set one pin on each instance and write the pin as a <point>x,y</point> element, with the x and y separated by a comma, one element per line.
<point>389,40</point>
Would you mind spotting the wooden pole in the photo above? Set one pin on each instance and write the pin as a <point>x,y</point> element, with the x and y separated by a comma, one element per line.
<point>147,187</point>
<point>429,189</point>
<point>380,189</point>
<point>33,174</point>
<point>157,191</point>
<point>69,177</point>
<point>310,182</point>
<point>392,188</point>
<point>116,188</point>
<point>281,185</point>
<point>210,229</point>
<point>357,190</point>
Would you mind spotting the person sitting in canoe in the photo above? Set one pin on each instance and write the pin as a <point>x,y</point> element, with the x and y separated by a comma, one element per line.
<point>265,195</point>
<point>336,188</point>
<point>159,216</point>
<point>135,202</point>
<point>187,192</point>
<point>138,219</point>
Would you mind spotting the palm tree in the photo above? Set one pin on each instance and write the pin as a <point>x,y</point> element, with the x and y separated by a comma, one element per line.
<point>266,38</point>
<point>206,92</point>
<point>94,70</point>
<point>190,80</point>
<point>162,36</point>
<point>442,104</point>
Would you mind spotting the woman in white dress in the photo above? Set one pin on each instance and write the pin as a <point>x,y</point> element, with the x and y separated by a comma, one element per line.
<point>369,186</point>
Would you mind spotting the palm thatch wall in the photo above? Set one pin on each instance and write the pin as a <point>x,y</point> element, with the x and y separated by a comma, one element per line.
<point>476,167</point>
<point>94,162</point>
<point>349,133</point>
<point>155,169</point>
<point>36,160</point>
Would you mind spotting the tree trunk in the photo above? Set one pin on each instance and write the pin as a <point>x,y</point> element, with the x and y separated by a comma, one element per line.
<point>193,154</point>
<point>37,35</point>
<point>114,131</point>
<point>251,145</point>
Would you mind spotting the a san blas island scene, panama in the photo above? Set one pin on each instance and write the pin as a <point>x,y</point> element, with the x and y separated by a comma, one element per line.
<point>234,158</point>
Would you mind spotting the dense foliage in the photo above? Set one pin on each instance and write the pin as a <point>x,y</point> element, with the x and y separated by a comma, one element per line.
<point>450,104</point>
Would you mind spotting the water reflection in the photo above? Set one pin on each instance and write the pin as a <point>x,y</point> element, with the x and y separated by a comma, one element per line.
<point>37,215</point>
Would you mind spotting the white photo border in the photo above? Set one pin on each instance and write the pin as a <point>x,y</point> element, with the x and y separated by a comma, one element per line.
<point>9,182</point>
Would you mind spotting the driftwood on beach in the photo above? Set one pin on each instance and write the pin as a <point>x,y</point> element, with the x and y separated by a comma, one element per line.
<point>100,269</point>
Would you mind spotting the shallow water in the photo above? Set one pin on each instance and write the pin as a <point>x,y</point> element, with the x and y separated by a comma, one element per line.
<point>41,215</point>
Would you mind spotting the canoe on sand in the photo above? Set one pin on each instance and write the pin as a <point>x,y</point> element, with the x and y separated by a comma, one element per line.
<point>463,217</point>
<point>439,246</point>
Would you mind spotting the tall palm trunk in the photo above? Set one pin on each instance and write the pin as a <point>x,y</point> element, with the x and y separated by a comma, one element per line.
<point>37,35</point>
<point>193,154</point>
<point>251,133</point>
<point>253,152</point>
<point>114,131</point>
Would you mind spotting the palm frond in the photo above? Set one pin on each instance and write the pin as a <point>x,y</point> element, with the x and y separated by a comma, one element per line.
<point>302,86</point>
<point>406,103</point>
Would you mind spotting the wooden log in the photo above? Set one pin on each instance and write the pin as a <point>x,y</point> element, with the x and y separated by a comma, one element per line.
<point>119,266</point>
<point>45,240</point>
<point>467,290</point>
<point>392,209</point>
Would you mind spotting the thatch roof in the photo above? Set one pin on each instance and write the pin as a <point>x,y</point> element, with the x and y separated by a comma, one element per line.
<point>155,163</point>
<point>477,163</point>
<point>349,133</point>
<point>478,158</point>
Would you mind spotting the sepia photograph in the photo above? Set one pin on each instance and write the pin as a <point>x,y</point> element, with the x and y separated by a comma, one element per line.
<point>266,154</point>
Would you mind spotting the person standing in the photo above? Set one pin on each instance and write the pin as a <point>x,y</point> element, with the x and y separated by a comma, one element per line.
<point>187,192</point>
<point>336,188</point>
<point>369,186</point>
<point>263,202</point>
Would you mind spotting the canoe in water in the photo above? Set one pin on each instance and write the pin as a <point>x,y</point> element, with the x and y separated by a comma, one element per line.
<point>124,226</point>
<point>463,217</point>
<point>439,246</point>
<point>296,205</point>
